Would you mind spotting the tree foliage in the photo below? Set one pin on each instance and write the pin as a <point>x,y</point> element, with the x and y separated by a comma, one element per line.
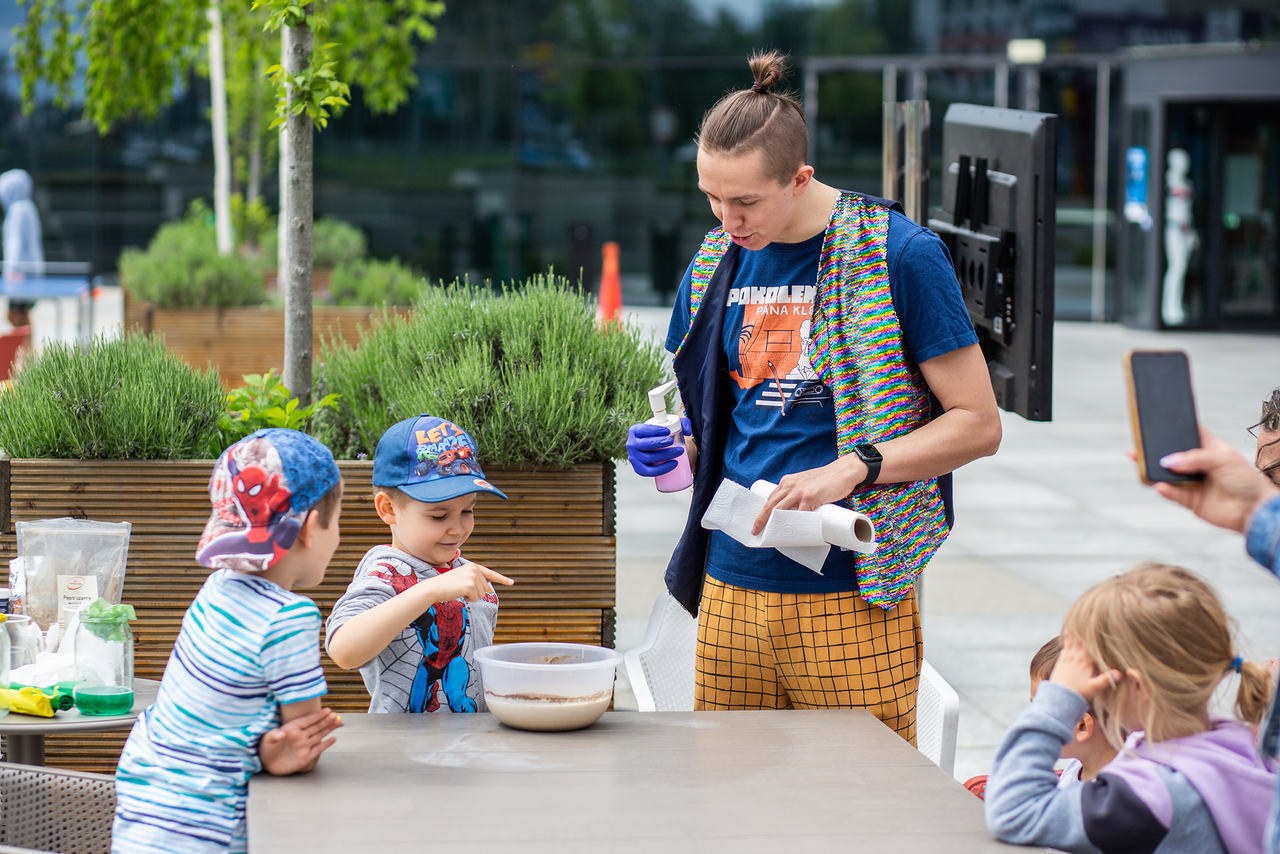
<point>138,52</point>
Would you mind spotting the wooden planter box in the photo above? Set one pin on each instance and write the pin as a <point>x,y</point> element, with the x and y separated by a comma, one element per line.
<point>239,341</point>
<point>555,536</point>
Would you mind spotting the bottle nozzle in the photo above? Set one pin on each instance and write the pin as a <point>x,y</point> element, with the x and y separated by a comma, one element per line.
<point>658,398</point>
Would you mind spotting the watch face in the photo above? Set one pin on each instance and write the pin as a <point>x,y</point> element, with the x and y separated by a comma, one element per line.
<point>867,452</point>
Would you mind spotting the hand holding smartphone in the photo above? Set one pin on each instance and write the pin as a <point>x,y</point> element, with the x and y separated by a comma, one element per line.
<point>1162,410</point>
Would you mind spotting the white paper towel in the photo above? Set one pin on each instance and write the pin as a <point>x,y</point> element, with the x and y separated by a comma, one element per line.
<point>805,536</point>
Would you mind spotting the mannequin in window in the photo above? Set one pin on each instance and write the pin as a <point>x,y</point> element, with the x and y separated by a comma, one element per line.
<point>1180,238</point>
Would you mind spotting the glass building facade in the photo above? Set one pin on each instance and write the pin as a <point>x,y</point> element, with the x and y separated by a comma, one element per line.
<point>538,129</point>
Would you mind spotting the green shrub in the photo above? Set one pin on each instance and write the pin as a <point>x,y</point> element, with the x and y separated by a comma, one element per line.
<point>332,242</point>
<point>264,401</point>
<point>181,267</point>
<point>126,398</point>
<point>372,282</point>
<point>251,221</point>
<point>527,372</point>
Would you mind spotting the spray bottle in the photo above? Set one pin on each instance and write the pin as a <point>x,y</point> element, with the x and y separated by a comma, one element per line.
<point>679,477</point>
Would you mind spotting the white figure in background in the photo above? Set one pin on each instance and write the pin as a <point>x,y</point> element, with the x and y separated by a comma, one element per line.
<point>1180,238</point>
<point>23,246</point>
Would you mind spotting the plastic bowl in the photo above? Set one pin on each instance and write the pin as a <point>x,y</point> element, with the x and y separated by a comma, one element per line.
<point>548,687</point>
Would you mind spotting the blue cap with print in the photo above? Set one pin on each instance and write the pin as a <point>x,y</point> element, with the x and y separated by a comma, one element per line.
<point>261,489</point>
<point>429,459</point>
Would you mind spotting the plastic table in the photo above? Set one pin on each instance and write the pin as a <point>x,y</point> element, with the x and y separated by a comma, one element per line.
<point>32,287</point>
<point>25,734</point>
<point>706,782</point>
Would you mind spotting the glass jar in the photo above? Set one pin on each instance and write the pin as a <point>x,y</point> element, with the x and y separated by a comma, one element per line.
<point>104,665</point>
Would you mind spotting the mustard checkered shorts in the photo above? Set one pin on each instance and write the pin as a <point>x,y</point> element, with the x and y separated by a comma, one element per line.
<point>760,650</point>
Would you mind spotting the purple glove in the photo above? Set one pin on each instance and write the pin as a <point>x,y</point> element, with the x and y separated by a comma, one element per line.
<point>650,449</point>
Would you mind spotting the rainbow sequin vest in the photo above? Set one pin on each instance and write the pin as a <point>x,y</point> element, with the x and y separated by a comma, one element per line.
<point>858,352</point>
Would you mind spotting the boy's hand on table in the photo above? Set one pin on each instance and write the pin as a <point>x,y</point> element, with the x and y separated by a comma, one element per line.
<point>295,746</point>
<point>469,581</point>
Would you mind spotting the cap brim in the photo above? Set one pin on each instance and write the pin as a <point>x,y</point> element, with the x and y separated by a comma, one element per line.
<point>447,488</point>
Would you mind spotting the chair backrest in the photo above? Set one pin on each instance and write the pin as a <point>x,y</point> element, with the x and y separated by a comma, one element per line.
<point>937,718</point>
<point>52,809</point>
<point>10,343</point>
<point>660,669</point>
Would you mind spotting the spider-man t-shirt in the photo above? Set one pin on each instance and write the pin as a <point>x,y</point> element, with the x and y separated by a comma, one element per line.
<point>783,416</point>
<point>430,665</point>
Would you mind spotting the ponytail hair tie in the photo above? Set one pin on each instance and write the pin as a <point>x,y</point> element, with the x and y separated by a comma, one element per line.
<point>759,87</point>
<point>1237,664</point>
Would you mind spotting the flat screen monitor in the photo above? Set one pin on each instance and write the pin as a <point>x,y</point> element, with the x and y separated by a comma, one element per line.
<point>997,219</point>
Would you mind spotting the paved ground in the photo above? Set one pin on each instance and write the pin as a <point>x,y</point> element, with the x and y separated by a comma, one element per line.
<point>1056,510</point>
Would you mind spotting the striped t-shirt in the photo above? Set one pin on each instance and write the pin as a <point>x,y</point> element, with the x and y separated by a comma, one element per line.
<point>247,646</point>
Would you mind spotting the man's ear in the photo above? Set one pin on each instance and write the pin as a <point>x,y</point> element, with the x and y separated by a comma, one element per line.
<point>385,507</point>
<point>803,177</point>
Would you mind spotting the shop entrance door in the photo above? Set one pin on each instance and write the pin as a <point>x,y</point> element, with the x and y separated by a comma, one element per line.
<point>1250,209</point>
<point>1227,255</point>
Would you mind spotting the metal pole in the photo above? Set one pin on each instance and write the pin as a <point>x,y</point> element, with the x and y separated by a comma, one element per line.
<point>911,161</point>
<point>1031,87</point>
<point>811,111</point>
<point>1001,98</point>
<point>1101,160</point>
<point>888,127</point>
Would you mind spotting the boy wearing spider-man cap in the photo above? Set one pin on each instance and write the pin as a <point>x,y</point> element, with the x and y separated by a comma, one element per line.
<point>241,692</point>
<point>417,610</point>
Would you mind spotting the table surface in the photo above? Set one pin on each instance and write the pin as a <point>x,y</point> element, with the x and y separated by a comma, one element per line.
<point>144,694</point>
<point>766,781</point>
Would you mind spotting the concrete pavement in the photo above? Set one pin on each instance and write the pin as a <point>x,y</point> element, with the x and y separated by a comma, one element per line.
<point>1057,509</point>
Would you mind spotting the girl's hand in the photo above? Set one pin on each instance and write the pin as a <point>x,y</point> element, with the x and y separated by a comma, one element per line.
<point>1075,670</point>
<point>470,581</point>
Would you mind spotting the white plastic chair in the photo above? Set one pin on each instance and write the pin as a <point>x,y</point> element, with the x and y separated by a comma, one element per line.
<point>660,669</point>
<point>937,718</point>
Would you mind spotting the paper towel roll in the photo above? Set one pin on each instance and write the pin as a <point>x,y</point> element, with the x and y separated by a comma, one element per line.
<point>841,526</point>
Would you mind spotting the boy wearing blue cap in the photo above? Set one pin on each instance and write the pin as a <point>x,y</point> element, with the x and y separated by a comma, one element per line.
<point>247,656</point>
<point>416,611</point>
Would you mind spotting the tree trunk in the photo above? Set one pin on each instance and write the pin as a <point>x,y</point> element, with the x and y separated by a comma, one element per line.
<point>221,143</point>
<point>295,222</point>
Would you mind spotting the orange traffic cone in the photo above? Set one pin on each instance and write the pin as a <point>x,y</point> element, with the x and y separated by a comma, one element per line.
<point>610,287</point>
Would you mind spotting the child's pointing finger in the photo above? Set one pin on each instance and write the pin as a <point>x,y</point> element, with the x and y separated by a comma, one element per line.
<point>495,576</point>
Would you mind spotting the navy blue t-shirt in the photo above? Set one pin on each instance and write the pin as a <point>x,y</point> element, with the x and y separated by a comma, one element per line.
<point>783,416</point>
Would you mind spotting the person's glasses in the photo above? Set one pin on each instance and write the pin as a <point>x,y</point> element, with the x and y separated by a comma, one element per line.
<point>1270,421</point>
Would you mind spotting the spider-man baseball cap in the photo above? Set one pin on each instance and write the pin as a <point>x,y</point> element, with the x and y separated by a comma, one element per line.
<point>429,459</point>
<point>261,489</point>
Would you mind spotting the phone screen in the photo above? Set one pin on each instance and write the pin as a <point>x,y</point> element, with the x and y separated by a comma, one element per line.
<point>1162,410</point>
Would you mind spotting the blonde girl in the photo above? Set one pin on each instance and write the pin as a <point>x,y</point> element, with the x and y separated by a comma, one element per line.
<point>1144,652</point>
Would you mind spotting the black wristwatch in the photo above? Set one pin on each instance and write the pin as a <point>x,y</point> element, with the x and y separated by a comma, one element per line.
<point>872,459</point>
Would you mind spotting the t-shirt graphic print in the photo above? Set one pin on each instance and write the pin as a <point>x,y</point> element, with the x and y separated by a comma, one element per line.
<point>774,344</point>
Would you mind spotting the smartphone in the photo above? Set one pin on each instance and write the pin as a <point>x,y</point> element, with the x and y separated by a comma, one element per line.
<point>1162,410</point>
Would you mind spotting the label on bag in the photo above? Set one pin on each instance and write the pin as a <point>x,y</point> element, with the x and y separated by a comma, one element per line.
<point>73,592</point>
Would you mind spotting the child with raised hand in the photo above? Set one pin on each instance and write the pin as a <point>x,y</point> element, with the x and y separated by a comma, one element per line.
<point>1146,649</point>
<point>416,611</point>
<point>1088,751</point>
<point>246,659</point>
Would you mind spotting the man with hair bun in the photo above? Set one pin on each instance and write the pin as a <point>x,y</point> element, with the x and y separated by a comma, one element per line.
<point>820,342</point>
